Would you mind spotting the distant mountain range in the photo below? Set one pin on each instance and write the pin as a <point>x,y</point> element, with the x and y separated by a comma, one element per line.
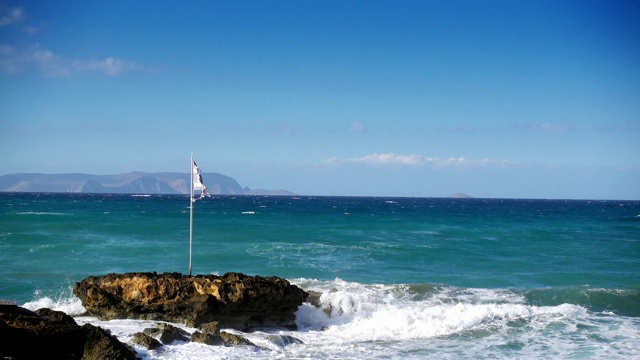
<point>129,183</point>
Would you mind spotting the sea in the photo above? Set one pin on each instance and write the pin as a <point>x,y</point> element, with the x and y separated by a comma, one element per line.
<point>401,278</point>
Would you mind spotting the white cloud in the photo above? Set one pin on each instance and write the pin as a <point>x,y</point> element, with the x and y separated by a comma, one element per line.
<point>50,64</point>
<point>388,159</point>
<point>14,59</point>
<point>15,16</point>
<point>11,16</point>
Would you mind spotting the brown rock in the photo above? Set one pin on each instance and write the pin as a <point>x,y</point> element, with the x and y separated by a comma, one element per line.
<point>146,341</point>
<point>204,338</point>
<point>229,339</point>
<point>212,328</point>
<point>234,300</point>
<point>168,333</point>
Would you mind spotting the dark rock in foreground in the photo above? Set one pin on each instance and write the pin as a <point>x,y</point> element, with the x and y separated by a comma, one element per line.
<point>50,334</point>
<point>233,300</point>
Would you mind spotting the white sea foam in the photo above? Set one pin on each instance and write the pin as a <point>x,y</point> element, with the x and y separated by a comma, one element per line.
<point>389,312</point>
<point>69,305</point>
<point>448,318</point>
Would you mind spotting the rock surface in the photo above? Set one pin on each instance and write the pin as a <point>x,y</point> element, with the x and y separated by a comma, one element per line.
<point>167,333</point>
<point>49,334</point>
<point>146,341</point>
<point>233,300</point>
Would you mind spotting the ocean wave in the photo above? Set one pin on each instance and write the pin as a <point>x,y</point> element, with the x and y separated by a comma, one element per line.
<point>625,302</point>
<point>435,319</point>
<point>42,213</point>
<point>392,312</point>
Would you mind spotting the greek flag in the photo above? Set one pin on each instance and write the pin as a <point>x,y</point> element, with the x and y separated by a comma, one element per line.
<point>197,182</point>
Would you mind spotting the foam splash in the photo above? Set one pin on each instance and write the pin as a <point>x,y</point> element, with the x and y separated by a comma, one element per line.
<point>69,304</point>
<point>400,312</point>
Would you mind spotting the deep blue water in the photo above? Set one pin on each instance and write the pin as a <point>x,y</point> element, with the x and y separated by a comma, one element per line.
<point>545,252</point>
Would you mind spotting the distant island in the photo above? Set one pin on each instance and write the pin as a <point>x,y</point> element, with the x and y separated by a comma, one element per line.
<point>460,196</point>
<point>129,183</point>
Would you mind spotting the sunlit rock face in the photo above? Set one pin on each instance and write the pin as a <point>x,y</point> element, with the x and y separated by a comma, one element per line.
<point>234,300</point>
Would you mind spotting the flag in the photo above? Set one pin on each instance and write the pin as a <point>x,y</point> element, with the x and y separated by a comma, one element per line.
<point>197,181</point>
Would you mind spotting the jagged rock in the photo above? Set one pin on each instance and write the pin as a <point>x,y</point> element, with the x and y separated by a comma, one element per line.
<point>168,333</point>
<point>204,338</point>
<point>54,335</point>
<point>100,344</point>
<point>146,341</point>
<point>212,328</point>
<point>283,340</point>
<point>229,339</point>
<point>234,300</point>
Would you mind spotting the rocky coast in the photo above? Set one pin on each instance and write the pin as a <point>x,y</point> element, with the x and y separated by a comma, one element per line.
<point>207,302</point>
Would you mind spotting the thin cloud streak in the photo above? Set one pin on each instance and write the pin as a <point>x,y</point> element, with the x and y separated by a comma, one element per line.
<point>52,65</point>
<point>391,159</point>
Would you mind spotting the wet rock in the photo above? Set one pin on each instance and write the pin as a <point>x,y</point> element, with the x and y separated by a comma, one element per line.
<point>212,328</point>
<point>229,339</point>
<point>204,338</point>
<point>233,300</point>
<point>54,315</point>
<point>100,344</point>
<point>146,341</point>
<point>49,334</point>
<point>314,298</point>
<point>283,340</point>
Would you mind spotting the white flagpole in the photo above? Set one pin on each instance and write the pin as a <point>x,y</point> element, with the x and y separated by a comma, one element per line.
<point>191,214</point>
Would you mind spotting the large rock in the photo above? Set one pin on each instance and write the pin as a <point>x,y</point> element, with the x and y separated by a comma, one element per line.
<point>49,334</point>
<point>233,300</point>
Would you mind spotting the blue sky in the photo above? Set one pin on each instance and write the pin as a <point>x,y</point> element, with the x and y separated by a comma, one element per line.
<point>508,99</point>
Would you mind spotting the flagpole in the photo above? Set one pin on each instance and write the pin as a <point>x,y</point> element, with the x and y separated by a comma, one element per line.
<point>190,213</point>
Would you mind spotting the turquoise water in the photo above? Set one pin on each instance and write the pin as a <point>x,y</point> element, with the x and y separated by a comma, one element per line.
<point>572,265</point>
